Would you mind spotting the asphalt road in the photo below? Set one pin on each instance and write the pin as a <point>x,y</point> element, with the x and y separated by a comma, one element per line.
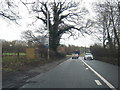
<point>74,73</point>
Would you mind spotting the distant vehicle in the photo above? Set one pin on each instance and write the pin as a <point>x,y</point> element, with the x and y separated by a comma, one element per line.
<point>88,56</point>
<point>75,55</point>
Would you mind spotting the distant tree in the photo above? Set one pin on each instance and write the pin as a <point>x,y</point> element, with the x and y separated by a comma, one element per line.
<point>13,46</point>
<point>71,48</point>
<point>29,36</point>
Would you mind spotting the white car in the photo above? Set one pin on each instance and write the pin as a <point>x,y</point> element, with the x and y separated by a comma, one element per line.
<point>75,56</point>
<point>88,56</point>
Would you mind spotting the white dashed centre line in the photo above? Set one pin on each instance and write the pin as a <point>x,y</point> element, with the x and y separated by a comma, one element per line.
<point>98,82</point>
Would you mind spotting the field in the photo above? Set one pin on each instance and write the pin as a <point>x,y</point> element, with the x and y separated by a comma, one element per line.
<point>21,54</point>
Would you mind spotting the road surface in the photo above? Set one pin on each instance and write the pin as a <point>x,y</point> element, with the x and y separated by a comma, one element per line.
<point>77,73</point>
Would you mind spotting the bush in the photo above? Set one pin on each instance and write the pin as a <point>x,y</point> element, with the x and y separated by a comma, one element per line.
<point>99,51</point>
<point>104,54</point>
<point>60,55</point>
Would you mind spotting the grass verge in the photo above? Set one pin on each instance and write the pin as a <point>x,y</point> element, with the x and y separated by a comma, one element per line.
<point>13,63</point>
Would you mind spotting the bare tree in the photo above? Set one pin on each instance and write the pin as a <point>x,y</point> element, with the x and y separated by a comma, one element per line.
<point>107,19</point>
<point>29,36</point>
<point>63,17</point>
<point>9,10</point>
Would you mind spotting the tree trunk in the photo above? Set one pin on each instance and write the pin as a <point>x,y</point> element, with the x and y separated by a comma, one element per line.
<point>114,28</point>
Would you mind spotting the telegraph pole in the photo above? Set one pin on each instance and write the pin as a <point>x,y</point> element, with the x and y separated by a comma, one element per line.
<point>119,33</point>
<point>48,33</point>
<point>119,43</point>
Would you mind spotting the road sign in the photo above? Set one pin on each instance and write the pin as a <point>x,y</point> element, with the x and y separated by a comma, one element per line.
<point>46,46</point>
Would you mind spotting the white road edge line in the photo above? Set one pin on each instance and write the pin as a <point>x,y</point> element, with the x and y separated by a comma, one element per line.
<point>98,82</point>
<point>101,77</point>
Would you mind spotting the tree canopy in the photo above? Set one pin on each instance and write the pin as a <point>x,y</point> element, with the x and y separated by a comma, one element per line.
<point>62,17</point>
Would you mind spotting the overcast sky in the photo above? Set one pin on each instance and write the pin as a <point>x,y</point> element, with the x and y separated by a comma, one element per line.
<point>11,31</point>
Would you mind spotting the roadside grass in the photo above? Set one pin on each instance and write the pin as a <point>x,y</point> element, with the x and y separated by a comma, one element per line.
<point>68,55</point>
<point>13,63</point>
<point>81,55</point>
<point>110,60</point>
